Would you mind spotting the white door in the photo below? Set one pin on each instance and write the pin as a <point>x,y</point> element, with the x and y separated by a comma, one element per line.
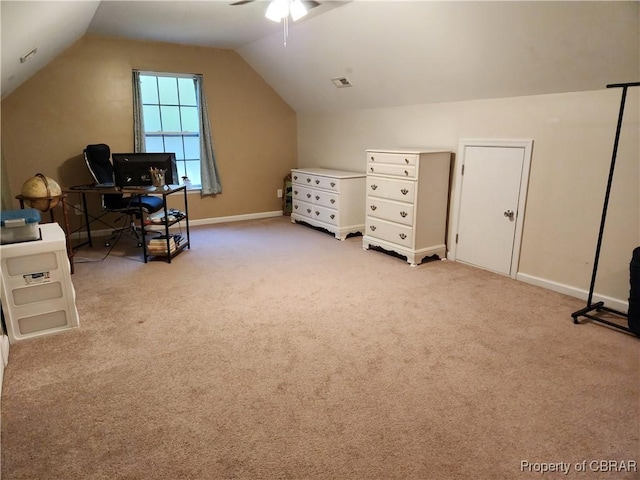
<point>491,182</point>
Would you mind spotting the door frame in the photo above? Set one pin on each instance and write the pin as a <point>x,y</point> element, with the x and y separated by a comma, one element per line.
<point>456,192</point>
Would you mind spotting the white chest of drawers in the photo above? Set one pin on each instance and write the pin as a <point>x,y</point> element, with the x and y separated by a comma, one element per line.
<point>329,199</point>
<point>37,295</point>
<point>407,200</point>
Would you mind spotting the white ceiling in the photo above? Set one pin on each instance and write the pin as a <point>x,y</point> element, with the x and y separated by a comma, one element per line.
<point>394,52</point>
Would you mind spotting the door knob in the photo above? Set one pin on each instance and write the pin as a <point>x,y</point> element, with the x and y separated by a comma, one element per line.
<point>509,214</point>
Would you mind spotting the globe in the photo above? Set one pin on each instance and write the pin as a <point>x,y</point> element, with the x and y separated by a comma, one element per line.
<point>42,193</point>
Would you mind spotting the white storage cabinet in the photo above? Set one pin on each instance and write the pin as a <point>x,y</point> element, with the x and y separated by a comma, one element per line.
<point>38,297</point>
<point>329,199</point>
<point>407,201</point>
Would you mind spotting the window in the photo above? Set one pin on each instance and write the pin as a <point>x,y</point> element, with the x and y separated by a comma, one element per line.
<point>171,120</point>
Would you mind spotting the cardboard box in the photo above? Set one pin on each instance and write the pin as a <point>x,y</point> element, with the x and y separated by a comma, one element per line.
<point>19,226</point>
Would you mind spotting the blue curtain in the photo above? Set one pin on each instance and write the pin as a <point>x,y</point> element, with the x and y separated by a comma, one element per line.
<point>208,168</point>
<point>138,120</point>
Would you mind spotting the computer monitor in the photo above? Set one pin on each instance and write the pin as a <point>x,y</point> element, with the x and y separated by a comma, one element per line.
<point>133,169</point>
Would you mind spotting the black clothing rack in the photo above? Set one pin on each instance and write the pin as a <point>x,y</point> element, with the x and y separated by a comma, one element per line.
<point>600,306</point>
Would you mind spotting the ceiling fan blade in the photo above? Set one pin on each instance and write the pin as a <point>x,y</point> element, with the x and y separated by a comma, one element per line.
<point>311,4</point>
<point>241,2</point>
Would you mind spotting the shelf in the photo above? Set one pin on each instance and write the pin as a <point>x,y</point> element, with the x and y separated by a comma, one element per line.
<point>162,227</point>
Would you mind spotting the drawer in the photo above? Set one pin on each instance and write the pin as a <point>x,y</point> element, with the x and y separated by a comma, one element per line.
<point>393,158</point>
<point>301,178</point>
<point>391,232</point>
<point>403,191</point>
<point>325,199</point>
<point>303,208</point>
<point>326,215</point>
<point>316,181</point>
<point>325,182</point>
<point>389,210</point>
<point>403,171</point>
<point>302,193</point>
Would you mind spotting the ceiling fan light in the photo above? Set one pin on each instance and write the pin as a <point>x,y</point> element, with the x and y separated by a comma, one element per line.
<point>298,10</point>
<point>277,10</point>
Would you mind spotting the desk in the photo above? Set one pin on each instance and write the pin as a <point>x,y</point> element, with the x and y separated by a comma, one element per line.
<point>84,190</point>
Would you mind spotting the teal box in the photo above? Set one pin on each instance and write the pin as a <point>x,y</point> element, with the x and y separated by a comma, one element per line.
<point>19,225</point>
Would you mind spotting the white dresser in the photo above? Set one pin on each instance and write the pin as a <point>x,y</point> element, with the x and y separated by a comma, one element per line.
<point>37,294</point>
<point>407,201</point>
<point>329,199</point>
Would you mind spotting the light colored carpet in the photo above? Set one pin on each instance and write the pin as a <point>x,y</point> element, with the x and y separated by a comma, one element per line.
<point>274,351</point>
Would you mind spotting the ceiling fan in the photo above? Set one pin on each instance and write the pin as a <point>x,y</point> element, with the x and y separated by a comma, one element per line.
<point>281,10</point>
<point>307,3</point>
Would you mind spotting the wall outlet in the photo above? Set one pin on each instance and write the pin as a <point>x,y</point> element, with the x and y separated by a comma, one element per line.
<point>77,209</point>
<point>279,193</point>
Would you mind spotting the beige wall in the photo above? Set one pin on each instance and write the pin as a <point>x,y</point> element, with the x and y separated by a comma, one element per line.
<point>84,97</point>
<point>573,138</point>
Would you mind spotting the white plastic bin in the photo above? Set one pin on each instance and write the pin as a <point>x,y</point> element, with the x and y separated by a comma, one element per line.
<point>19,225</point>
<point>38,297</point>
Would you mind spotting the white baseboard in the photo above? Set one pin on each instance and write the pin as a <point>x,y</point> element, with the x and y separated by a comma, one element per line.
<point>610,302</point>
<point>201,221</point>
<point>235,218</point>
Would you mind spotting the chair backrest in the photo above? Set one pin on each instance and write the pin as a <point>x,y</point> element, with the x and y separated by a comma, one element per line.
<point>98,158</point>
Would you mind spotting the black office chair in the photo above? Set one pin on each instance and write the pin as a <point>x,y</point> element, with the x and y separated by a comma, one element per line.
<point>98,158</point>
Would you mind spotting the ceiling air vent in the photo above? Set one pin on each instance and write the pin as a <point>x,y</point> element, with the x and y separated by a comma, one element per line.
<point>342,82</point>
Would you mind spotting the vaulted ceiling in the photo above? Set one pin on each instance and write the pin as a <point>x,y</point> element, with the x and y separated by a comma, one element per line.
<point>393,52</point>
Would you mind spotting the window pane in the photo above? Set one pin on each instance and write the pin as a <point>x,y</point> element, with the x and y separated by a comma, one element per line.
<point>190,121</point>
<point>153,143</point>
<point>171,107</point>
<point>148,89</point>
<point>168,87</point>
<point>174,144</point>
<point>192,147</point>
<point>193,172</point>
<point>151,115</point>
<point>170,119</point>
<point>187,91</point>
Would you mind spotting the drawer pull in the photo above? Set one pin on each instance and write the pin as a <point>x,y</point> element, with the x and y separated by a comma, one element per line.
<point>333,200</point>
<point>403,214</point>
<point>404,191</point>
<point>373,158</point>
<point>295,192</point>
<point>373,207</point>
<point>333,184</point>
<point>403,236</point>
<point>372,169</point>
<point>308,195</point>
<point>308,180</point>
<point>308,210</point>
<point>317,197</point>
<point>295,206</point>
<point>332,216</point>
<point>317,213</point>
<point>374,186</point>
<point>317,181</point>
<point>406,160</point>
<point>406,173</point>
<point>372,227</point>
<point>295,177</point>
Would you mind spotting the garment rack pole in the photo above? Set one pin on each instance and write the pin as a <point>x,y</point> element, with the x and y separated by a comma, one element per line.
<point>600,306</point>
